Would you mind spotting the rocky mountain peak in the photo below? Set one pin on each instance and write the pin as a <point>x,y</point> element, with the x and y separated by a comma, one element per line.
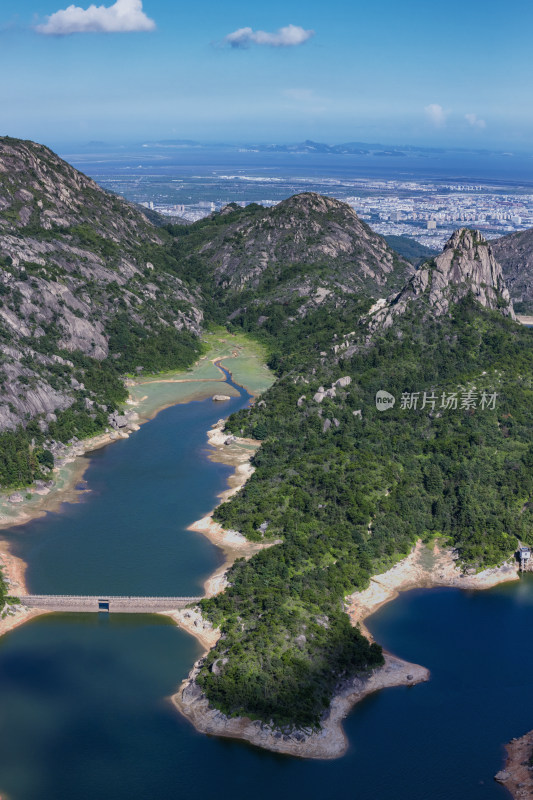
<point>304,240</point>
<point>41,192</point>
<point>312,201</point>
<point>515,254</point>
<point>466,265</point>
<point>467,258</point>
<point>77,276</point>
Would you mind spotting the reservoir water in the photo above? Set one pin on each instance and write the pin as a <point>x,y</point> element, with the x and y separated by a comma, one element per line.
<point>84,709</point>
<point>129,534</point>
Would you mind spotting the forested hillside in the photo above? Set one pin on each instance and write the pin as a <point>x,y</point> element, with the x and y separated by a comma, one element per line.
<point>349,487</point>
<point>263,264</point>
<point>91,290</point>
<point>81,305</point>
<point>410,249</point>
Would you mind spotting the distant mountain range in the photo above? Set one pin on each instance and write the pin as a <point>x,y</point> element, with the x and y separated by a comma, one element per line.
<point>311,147</point>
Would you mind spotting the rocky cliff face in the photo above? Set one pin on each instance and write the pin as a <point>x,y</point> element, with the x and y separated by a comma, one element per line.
<point>73,260</point>
<point>466,265</point>
<point>81,268</point>
<point>86,278</point>
<point>515,254</point>
<point>304,243</point>
<point>38,190</point>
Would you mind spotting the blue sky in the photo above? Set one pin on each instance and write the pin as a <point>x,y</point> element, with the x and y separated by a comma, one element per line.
<point>457,73</point>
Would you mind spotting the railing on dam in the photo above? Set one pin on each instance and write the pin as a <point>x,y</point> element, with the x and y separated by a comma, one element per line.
<point>102,602</point>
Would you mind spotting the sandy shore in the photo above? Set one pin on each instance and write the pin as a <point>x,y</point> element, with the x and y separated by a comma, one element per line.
<point>329,742</point>
<point>232,543</point>
<point>13,571</point>
<point>237,453</point>
<point>19,616</point>
<point>517,775</point>
<point>423,567</point>
<point>50,500</point>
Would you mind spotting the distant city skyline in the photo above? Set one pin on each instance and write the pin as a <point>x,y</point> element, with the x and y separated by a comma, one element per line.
<point>451,74</point>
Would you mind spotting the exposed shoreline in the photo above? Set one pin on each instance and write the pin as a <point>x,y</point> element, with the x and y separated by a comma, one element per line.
<point>419,569</point>
<point>328,743</point>
<point>14,568</point>
<point>422,568</point>
<point>516,775</point>
<point>13,571</point>
<point>232,543</point>
<point>72,457</point>
<point>71,460</point>
<point>52,500</point>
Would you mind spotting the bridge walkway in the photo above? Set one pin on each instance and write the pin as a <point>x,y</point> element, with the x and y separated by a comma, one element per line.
<point>103,602</point>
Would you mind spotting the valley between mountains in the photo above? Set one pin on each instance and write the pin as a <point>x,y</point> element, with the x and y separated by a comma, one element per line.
<point>94,295</point>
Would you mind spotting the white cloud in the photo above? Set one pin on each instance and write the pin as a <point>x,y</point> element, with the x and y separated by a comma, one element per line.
<point>474,122</point>
<point>289,36</point>
<point>124,16</point>
<point>436,115</point>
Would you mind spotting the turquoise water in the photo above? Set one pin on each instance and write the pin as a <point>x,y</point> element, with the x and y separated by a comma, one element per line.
<point>84,709</point>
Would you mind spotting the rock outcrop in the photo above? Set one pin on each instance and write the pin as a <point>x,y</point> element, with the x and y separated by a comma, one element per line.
<point>72,262</point>
<point>516,775</point>
<point>466,266</point>
<point>515,254</point>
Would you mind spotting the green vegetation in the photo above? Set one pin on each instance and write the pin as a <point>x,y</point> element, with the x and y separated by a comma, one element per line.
<point>3,593</point>
<point>155,350</point>
<point>19,463</point>
<point>23,452</point>
<point>93,279</point>
<point>87,237</point>
<point>348,501</point>
<point>523,307</point>
<point>410,249</point>
<point>341,490</point>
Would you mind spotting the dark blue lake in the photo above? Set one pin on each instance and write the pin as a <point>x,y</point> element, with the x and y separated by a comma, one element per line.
<point>128,535</point>
<point>84,712</point>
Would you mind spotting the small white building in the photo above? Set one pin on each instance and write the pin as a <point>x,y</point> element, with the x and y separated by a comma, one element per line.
<point>525,556</point>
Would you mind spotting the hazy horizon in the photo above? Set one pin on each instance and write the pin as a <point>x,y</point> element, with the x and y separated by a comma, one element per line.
<point>453,75</point>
